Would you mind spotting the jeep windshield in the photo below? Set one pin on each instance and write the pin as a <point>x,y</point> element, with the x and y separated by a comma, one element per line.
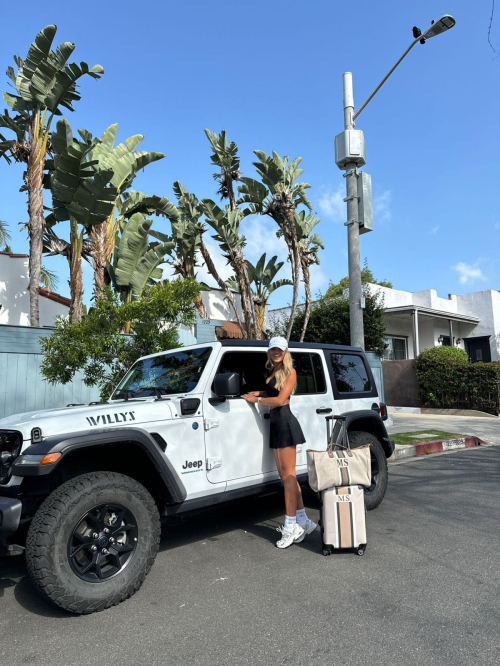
<point>167,374</point>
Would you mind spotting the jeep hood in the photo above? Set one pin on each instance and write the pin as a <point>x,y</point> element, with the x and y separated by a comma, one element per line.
<point>119,413</point>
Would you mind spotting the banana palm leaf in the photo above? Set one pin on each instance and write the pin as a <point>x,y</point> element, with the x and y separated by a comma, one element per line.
<point>45,79</point>
<point>123,159</point>
<point>78,190</point>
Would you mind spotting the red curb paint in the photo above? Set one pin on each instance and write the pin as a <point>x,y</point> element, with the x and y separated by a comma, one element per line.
<point>437,445</point>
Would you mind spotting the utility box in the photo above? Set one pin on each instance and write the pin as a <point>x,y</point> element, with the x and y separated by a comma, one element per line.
<point>350,147</point>
<point>365,207</point>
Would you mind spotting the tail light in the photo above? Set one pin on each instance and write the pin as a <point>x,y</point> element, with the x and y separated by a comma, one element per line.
<point>383,411</point>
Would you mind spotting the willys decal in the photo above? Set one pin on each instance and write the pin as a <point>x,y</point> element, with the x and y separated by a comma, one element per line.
<point>109,419</point>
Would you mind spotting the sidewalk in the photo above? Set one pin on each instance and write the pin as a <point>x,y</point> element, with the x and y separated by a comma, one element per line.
<point>487,429</point>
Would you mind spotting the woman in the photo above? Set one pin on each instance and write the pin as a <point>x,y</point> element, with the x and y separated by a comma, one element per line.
<point>285,434</point>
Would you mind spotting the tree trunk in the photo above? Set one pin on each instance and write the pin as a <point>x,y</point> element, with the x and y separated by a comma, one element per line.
<point>75,273</point>
<point>307,287</point>
<point>242,275</point>
<point>213,272</point>
<point>99,234</point>
<point>36,224</point>
<point>239,267</point>
<point>250,298</point>
<point>201,308</point>
<point>294,252</point>
<point>260,313</point>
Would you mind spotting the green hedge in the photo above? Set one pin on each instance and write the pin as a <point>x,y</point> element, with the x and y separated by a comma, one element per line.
<point>448,381</point>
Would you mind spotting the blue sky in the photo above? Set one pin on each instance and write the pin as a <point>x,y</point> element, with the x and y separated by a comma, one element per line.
<point>270,73</point>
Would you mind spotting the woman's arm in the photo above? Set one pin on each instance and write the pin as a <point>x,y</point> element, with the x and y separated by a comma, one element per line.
<point>282,399</point>
<point>261,394</point>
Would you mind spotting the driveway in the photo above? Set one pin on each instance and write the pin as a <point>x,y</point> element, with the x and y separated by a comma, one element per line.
<point>483,427</point>
<point>426,592</point>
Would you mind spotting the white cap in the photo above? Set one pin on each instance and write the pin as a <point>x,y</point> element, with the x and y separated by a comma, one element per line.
<point>279,342</point>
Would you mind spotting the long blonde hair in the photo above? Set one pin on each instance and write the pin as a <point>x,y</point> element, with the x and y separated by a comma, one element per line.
<point>283,372</point>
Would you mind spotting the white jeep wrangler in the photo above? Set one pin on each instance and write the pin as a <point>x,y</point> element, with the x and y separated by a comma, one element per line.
<point>83,488</point>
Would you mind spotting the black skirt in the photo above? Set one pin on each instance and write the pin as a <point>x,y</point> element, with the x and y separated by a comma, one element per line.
<point>285,429</point>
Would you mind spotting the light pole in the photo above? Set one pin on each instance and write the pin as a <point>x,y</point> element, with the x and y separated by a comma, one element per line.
<point>349,156</point>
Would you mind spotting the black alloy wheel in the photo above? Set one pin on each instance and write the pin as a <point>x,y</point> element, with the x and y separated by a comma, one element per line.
<point>374,494</point>
<point>102,543</point>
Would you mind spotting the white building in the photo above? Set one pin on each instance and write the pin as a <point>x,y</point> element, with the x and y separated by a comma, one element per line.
<point>420,320</point>
<point>14,294</point>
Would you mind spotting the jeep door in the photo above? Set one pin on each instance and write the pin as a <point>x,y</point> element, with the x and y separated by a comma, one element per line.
<point>236,431</point>
<point>312,401</point>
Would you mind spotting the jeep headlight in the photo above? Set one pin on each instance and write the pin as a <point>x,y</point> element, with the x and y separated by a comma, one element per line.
<point>10,448</point>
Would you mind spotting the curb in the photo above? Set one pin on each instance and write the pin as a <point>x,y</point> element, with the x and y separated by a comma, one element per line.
<point>429,411</point>
<point>434,446</point>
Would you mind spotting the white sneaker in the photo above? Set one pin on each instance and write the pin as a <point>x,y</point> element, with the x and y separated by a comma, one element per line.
<point>309,527</point>
<point>289,536</point>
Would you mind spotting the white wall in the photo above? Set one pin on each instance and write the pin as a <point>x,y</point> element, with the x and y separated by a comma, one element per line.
<point>14,295</point>
<point>218,307</point>
<point>486,306</point>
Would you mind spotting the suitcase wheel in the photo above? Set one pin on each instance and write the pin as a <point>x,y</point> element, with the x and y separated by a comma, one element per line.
<point>327,550</point>
<point>361,549</point>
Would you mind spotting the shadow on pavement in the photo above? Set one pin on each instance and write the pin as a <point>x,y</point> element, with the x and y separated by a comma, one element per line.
<point>259,516</point>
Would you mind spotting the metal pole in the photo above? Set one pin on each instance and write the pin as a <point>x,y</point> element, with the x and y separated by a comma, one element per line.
<point>385,78</point>
<point>416,344</point>
<point>355,310</point>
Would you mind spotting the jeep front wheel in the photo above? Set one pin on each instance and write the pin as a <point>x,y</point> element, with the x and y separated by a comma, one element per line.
<point>375,493</point>
<point>93,541</point>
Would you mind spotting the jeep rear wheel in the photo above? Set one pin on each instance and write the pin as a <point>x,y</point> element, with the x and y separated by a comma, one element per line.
<point>375,493</point>
<point>93,541</point>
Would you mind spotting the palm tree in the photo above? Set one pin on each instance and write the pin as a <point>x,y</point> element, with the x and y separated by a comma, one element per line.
<point>226,223</point>
<point>278,196</point>
<point>125,162</point>
<point>136,260</point>
<point>48,279</point>
<point>81,195</point>
<point>4,236</point>
<point>262,277</point>
<point>309,246</point>
<point>44,82</point>
<point>225,157</point>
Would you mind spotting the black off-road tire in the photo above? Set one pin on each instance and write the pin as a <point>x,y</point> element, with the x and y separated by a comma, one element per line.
<point>375,494</point>
<point>54,523</point>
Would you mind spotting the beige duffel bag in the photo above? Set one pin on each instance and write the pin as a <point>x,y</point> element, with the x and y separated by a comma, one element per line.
<point>342,467</point>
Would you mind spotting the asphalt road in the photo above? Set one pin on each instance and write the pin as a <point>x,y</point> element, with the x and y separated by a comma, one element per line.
<point>484,427</point>
<point>426,592</point>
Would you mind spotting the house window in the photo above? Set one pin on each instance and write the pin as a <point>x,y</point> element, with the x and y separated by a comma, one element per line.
<point>396,349</point>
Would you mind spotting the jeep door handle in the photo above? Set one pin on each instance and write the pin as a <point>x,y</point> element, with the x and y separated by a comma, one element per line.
<point>324,410</point>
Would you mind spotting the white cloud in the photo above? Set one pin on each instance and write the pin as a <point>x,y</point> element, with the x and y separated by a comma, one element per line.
<point>223,268</point>
<point>382,207</point>
<point>260,233</point>
<point>319,280</point>
<point>331,204</point>
<point>434,230</point>
<point>468,272</point>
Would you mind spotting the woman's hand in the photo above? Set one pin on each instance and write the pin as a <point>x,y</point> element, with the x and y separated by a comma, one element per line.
<point>251,397</point>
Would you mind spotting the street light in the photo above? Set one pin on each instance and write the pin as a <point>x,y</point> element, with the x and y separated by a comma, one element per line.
<point>349,155</point>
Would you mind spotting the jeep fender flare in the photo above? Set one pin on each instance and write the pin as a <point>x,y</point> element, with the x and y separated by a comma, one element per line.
<point>69,443</point>
<point>369,421</point>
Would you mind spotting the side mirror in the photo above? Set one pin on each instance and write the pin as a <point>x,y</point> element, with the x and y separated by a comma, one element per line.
<point>227,384</point>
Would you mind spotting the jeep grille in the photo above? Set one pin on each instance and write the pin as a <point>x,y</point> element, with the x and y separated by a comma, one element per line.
<point>10,447</point>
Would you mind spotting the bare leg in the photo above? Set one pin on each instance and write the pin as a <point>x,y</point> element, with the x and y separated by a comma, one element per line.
<point>286,460</point>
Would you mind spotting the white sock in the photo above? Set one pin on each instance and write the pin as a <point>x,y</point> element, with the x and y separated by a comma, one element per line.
<point>301,517</point>
<point>290,522</point>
